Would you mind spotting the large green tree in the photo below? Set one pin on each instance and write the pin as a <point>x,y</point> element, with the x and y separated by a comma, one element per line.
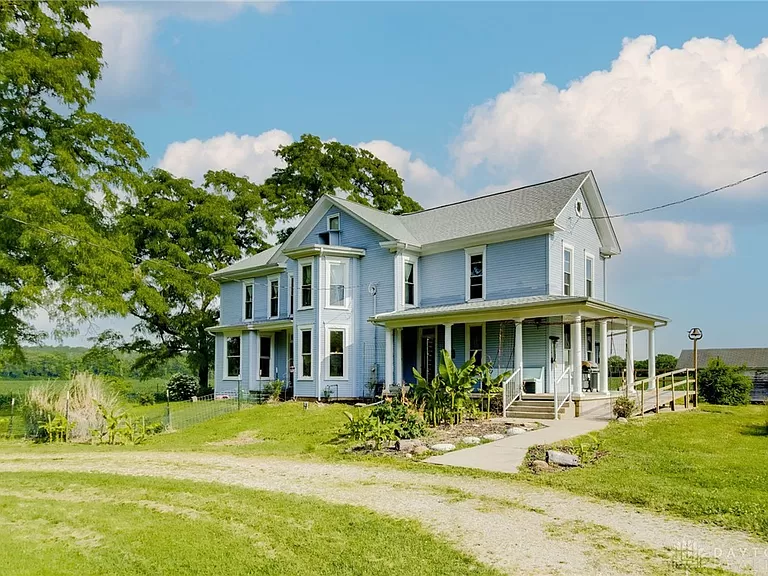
<point>59,167</point>
<point>313,168</point>
<point>180,233</point>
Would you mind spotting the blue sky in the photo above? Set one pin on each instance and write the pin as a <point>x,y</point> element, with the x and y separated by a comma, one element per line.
<point>467,98</point>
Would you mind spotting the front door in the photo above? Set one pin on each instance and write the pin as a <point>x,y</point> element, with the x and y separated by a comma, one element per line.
<point>427,358</point>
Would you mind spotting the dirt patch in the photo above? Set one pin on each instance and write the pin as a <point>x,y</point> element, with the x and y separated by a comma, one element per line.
<point>478,428</point>
<point>242,439</point>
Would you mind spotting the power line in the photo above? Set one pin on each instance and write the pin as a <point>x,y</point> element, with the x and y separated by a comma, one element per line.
<point>677,202</point>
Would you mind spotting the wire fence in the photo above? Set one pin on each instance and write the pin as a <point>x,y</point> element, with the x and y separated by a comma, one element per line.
<point>182,415</point>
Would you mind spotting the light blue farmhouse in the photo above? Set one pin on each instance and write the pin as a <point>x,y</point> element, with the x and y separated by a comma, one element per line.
<point>356,298</point>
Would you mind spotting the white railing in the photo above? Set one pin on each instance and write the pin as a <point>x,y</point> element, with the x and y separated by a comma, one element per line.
<point>560,399</point>
<point>512,389</point>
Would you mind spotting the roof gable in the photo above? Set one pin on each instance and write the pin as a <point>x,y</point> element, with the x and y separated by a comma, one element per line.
<point>269,258</point>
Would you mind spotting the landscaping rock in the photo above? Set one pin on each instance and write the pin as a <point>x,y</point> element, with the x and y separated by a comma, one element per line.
<point>443,447</point>
<point>539,466</point>
<point>493,437</point>
<point>471,440</point>
<point>622,420</point>
<point>407,445</point>
<point>562,458</point>
<point>420,450</point>
<point>515,430</point>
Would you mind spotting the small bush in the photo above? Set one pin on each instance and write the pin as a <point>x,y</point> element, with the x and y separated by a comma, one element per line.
<point>406,423</point>
<point>624,407</point>
<point>273,390</point>
<point>181,387</point>
<point>363,427</point>
<point>146,398</point>
<point>720,383</point>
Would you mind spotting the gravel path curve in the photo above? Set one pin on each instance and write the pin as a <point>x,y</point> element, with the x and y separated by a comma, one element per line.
<point>510,525</point>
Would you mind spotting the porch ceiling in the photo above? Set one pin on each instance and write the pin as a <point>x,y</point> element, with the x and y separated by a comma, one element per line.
<point>520,309</point>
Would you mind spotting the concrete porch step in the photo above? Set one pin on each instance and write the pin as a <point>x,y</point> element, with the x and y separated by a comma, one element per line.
<point>526,415</point>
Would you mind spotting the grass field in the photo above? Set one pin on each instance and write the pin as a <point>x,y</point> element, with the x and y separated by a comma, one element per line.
<point>18,386</point>
<point>709,465</point>
<point>90,524</point>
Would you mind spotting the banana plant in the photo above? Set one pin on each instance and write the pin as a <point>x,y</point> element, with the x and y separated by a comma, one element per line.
<point>491,385</point>
<point>429,397</point>
<point>458,384</point>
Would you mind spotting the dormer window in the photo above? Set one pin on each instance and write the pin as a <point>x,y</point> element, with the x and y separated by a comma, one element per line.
<point>333,223</point>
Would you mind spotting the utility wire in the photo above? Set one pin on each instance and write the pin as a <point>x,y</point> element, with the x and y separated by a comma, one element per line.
<point>677,202</point>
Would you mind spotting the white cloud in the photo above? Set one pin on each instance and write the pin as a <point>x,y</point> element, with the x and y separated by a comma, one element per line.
<point>252,156</point>
<point>696,114</point>
<point>679,238</point>
<point>421,181</point>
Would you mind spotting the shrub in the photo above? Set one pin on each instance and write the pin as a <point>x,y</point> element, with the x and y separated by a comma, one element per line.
<point>146,398</point>
<point>364,427</point>
<point>406,423</point>
<point>273,390</point>
<point>720,383</point>
<point>181,387</point>
<point>624,407</point>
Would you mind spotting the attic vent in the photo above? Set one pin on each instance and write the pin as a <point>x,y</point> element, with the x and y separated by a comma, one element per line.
<point>579,208</point>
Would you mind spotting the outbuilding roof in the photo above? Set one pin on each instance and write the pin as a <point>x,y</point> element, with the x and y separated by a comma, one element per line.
<point>749,357</point>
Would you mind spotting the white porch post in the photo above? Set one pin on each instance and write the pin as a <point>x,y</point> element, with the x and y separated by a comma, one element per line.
<point>388,368</point>
<point>519,351</point>
<point>576,356</point>
<point>630,357</point>
<point>604,352</point>
<point>399,357</point>
<point>651,358</point>
<point>253,361</point>
<point>448,338</point>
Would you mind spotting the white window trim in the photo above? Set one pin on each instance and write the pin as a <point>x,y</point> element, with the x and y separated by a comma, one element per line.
<point>300,373</point>
<point>311,263</point>
<point>588,256</point>
<point>466,341</point>
<point>271,279</point>
<point>345,354</point>
<point>468,253</point>
<point>271,375</point>
<point>415,262</point>
<point>345,263</point>
<point>328,219</point>
<point>292,295</point>
<point>253,303</point>
<point>573,266</point>
<point>225,369</point>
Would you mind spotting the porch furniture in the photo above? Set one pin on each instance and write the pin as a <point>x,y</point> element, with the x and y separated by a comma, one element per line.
<point>533,380</point>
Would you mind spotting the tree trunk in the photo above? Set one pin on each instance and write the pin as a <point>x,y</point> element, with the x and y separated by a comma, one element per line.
<point>202,375</point>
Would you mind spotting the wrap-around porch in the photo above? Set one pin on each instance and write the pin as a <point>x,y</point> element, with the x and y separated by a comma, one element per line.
<point>554,347</point>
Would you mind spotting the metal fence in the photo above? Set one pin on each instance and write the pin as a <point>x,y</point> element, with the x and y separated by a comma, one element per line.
<point>182,415</point>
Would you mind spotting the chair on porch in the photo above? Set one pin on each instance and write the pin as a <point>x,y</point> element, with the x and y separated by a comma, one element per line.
<point>533,380</point>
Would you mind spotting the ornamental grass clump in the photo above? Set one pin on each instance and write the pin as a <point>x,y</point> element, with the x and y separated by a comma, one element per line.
<point>75,407</point>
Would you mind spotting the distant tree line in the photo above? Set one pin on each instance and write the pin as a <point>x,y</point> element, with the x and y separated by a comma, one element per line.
<point>57,362</point>
<point>664,363</point>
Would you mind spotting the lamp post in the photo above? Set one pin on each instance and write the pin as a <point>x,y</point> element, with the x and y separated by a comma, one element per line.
<point>694,334</point>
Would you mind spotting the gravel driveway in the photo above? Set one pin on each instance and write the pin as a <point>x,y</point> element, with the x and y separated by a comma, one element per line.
<point>510,525</point>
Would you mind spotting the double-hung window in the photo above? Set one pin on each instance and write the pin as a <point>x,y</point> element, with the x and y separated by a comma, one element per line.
<point>409,274</point>
<point>337,283</point>
<point>475,343</point>
<point>589,275</point>
<point>333,223</point>
<point>248,302</point>
<point>475,266</point>
<point>567,343</point>
<point>305,353</point>
<point>305,274</point>
<point>336,361</point>
<point>567,271</point>
<point>290,309</point>
<point>274,297</point>
<point>233,356</point>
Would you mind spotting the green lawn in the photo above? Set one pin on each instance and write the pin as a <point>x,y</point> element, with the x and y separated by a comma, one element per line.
<point>709,465</point>
<point>92,524</point>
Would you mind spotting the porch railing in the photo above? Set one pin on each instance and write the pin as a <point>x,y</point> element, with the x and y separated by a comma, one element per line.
<point>562,393</point>
<point>673,382</point>
<point>512,389</point>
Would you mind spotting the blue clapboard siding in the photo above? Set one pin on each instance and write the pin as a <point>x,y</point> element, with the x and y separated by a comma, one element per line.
<point>231,303</point>
<point>516,268</point>
<point>441,278</point>
<point>582,235</point>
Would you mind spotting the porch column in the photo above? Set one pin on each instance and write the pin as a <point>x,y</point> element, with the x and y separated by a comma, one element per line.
<point>252,375</point>
<point>399,357</point>
<point>519,350</point>
<point>604,354</point>
<point>388,368</point>
<point>449,338</point>
<point>576,356</point>
<point>630,358</point>
<point>651,358</point>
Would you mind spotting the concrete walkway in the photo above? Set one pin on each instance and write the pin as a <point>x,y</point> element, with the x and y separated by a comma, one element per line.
<point>507,455</point>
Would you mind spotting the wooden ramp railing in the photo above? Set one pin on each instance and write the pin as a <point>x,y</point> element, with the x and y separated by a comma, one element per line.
<point>681,383</point>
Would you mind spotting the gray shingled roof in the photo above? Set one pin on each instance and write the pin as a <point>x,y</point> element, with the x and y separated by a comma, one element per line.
<point>509,209</point>
<point>388,223</point>
<point>265,257</point>
<point>749,357</point>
